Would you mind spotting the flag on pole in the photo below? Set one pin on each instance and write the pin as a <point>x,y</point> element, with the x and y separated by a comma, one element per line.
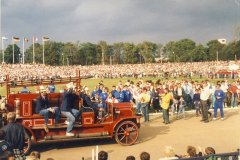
<point>35,39</point>
<point>4,38</point>
<point>16,39</point>
<point>26,39</point>
<point>45,38</point>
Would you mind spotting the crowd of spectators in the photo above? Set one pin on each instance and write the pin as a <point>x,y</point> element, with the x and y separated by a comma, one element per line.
<point>207,153</point>
<point>188,69</point>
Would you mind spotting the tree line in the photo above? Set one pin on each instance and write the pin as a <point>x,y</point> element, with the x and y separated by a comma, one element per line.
<point>69,53</point>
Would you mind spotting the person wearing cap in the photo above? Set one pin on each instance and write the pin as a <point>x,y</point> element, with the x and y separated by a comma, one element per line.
<point>68,109</point>
<point>43,108</point>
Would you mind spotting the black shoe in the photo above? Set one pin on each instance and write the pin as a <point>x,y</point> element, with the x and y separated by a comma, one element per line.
<point>202,120</point>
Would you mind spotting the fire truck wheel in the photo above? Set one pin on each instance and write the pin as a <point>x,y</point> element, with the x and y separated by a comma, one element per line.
<point>126,133</point>
<point>28,145</point>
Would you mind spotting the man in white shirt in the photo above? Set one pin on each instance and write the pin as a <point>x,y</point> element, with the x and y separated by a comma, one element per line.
<point>204,96</point>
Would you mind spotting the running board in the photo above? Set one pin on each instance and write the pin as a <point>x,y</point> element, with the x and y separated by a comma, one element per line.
<point>79,135</point>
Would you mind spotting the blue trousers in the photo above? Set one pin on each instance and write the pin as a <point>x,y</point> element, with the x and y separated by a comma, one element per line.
<point>234,100</point>
<point>71,117</point>
<point>46,114</point>
<point>144,107</point>
<point>218,104</point>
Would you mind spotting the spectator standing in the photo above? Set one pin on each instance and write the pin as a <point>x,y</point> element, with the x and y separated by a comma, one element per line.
<point>166,98</point>
<point>220,96</point>
<point>233,89</point>
<point>103,97</point>
<point>224,87</point>
<point>144,98</point>
<point>196,101</point>
<point>51,87</point>
<point>15,136</point>
<point>204,96</point>
<point>24,90</point>
<point>181,109</point>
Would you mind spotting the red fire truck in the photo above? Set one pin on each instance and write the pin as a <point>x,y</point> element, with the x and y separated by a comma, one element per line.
<point>120,122</point>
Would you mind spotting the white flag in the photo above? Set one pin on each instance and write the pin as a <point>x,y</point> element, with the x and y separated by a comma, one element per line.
<point>4,38</point>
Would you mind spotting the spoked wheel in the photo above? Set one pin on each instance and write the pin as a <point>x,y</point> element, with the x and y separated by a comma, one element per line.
<point>28,145</point>
<point>126,133</point>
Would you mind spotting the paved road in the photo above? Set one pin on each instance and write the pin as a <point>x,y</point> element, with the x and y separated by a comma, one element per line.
<point>224,136</point>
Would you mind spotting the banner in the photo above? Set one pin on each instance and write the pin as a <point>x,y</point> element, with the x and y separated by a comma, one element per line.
<point>26,39</point>
<point>45,39</point>
<point>16,39</point>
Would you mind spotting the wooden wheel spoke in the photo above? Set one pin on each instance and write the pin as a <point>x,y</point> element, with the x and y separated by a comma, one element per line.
<point>122,129</point>
<point>127,139</point>
<point>120,133</point>
<point>133,129</point>
<point>122,138</point>
<point>130,137</point>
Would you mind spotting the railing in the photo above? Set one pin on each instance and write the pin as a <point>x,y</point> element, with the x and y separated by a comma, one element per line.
<point>222,156</point>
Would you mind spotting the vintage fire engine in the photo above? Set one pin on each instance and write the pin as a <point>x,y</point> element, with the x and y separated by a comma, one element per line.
<point>120,122</point>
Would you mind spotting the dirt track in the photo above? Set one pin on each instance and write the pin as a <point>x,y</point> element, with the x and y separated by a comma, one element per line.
<point>224,136</point>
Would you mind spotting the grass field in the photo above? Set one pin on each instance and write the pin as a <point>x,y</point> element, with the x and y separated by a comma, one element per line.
<point>90,83</point>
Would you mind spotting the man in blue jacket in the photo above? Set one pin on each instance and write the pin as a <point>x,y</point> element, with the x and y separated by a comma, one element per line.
<point>68,109</point>
<point>15,136</point>
<point>220,96</point>
<point>43,108</point>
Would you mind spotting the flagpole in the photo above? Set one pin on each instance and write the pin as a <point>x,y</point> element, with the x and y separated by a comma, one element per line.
<point>23,51</point>
<point>1,26</point>
<point>2,50</point>
<point>33,50</point>
<point>43,52</point>
<point>13,49</point>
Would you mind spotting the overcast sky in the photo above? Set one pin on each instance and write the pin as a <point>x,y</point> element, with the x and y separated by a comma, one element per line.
<point>135,21</point>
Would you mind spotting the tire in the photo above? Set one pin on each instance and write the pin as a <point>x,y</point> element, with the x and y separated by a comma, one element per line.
<point>126,133</point>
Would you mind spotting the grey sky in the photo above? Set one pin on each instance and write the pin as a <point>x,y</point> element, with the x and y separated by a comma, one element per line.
<point>121,20</point>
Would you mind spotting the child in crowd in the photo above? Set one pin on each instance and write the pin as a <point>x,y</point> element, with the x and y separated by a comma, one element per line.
<point>181,110</point>
<point>196,101</point>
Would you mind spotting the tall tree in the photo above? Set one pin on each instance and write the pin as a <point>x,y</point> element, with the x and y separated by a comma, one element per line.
<point>183,49</point>
<point>199,54</point>
<point>148,50</point>
<point>117,51</point>
<point>129,53</point>
<point>69,54</point>
<point>214,50</point>
<point>104,48</point>
<point>168,50</point>
<point>53,52</point>
<point>9,54</point>
<point>88,54</point>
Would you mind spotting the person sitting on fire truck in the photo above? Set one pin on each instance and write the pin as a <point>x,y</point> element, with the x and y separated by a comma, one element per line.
<point>68,109</point>
<point>43,108</point>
